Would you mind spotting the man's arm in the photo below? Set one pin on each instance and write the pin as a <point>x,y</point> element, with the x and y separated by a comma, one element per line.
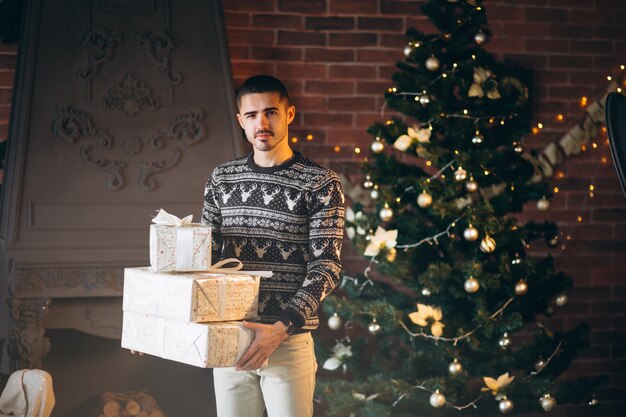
<point>326,224</point>
<point>211,216</point>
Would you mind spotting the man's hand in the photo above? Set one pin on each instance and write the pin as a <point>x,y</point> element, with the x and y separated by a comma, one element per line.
<point>267,337</point>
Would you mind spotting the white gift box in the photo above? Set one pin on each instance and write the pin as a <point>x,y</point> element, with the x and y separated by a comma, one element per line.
<point>206,345</point>
<point>191,297</point>
<point>180,248</point>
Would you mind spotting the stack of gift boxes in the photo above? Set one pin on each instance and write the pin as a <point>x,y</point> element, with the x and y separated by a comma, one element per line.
<point>183,308</point>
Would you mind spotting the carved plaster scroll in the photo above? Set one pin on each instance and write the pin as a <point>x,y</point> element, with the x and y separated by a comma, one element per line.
<point>185,129</point>
<point>129,96</point>
<point>100,45</point>
<point>71,125</point>
<point>157,46</point>
<point>27,344</point>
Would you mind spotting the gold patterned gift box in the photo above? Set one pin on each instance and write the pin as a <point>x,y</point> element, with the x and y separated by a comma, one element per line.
<point>179,245</point>
<point>192,296</point>
<point>206,345</point>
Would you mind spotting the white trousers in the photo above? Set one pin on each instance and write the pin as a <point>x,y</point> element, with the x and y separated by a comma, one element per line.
<point>285,386</point>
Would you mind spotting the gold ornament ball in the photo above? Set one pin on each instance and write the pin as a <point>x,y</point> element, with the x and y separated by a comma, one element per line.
<point>547,402</point>
<point>480,38</point>
<point>375,194</point>
<point>471,186</point>
<point>424,200</point>
<point>432,63</point>
<point>391,255</point>
<point>505,405</point>
<point>426,292</point>
<point>374,328</point>
<point>455,367</point>
<point>504,341</point>
<point>488,244</point>
<point>560,300</point>
<point>470,234</point>
<point>437,399</point>
<point>460,174</point>
<point>543,204</point>
<point>386,213</point>
<point>471,285</point>
<point>521,287</point>
<point>335,322</point>
<point>377,146</point>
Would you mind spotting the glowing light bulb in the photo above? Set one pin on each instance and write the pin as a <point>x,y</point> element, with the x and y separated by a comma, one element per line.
<point>337,148</point>
<point>357,150</point>
<point>555,189</point>
<point>309,137</point>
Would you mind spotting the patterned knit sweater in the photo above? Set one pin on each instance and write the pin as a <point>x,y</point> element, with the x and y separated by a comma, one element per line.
<point>287,219</point>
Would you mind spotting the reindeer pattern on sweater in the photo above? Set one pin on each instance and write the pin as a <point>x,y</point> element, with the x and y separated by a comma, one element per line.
<point>286,219</point>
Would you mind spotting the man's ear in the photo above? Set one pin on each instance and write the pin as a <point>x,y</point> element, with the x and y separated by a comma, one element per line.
<point>291,113</point>
<point>240,120</point>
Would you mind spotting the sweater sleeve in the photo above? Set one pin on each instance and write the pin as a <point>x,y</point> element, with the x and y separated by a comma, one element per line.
<point>211,216</point>
<point>326,223</point>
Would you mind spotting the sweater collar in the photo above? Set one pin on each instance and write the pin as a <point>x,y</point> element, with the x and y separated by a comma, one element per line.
<point>270,170</point>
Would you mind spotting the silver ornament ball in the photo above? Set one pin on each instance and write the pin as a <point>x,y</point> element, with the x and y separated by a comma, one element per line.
<point>424,200</point>
<point>480,38</point>
<point>470,234</point>
<point>478,138</point>
<point>335,322</point>
<point>505,405</point>
<point>375,194</point>
<point>437,399</point>
<point>543,204</point>
<point>504,341</point>
<point>547,402</point>
<point>426,292</point>
<point>377,146</point>
<point>386,213</point>
<point>408,50</point>
<point>368,183</point>
<point>455,367</point>
<point>432,63</point>
<point>540,364</point>
<point>374,328</point>
<point>560,300</point>
<point>593,402</point>
<point>471,285</point>
<point>460,174</point>
<point>424,99</point>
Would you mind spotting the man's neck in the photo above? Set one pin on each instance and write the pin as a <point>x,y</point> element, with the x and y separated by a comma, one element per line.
<point>274,157</point>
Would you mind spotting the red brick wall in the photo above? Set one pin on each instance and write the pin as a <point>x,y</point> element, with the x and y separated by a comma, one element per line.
<point>336,57</point>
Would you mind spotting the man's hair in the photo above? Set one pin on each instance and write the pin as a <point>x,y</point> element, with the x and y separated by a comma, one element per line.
<point>262,84</point>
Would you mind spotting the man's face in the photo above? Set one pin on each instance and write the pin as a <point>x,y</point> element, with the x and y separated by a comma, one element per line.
<point>265,119</point>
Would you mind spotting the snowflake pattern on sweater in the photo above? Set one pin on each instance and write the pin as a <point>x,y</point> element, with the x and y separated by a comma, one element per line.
<point>287,219</point>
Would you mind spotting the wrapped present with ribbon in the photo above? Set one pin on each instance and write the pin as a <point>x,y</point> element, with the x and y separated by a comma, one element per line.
<point>178,244</point>
<point>218,294</point>
<point>206,345</point>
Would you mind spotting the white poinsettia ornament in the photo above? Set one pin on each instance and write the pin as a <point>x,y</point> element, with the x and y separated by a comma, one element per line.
<point>382,239</point>
<point>353,221</point>
<point>414,134</point>
<point>496,385</point>
<point>338,358</point>
<point>428,314</point>
<point>484,83</point>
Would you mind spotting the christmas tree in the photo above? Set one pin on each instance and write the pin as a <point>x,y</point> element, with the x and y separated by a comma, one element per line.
<point>451,313</point>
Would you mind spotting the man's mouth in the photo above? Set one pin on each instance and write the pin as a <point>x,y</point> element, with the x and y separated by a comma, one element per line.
<point>263,134</point>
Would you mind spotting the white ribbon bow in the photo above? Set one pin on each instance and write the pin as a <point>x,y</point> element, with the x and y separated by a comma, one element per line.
<point>166,219</point>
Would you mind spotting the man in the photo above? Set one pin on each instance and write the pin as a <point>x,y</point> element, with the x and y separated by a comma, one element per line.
<point>275,210</point>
